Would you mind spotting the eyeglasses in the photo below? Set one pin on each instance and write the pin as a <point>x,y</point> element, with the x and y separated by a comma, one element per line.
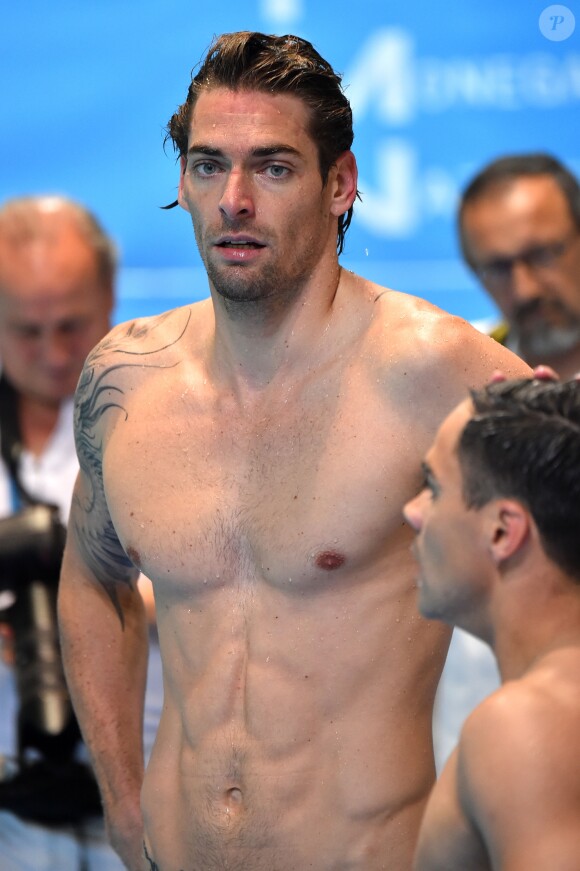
<point>498,273</point>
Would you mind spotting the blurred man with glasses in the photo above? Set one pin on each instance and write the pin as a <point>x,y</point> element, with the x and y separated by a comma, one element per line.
<point>519,227</point>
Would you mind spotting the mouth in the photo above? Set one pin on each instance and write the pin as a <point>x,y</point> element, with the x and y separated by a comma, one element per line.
<point>239,244</point>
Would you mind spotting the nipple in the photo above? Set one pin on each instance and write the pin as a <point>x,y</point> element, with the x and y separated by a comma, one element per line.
<point>329,560</point>
<point>134,556</point>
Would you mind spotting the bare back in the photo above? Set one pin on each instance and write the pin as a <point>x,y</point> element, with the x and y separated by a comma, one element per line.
<point>299,679</point>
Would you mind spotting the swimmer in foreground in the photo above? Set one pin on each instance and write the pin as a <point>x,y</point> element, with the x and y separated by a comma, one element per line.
<point>497,526</point>
<point>251,454</point>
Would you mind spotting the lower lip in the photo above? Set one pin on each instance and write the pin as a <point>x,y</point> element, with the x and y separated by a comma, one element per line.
<point>239,255</point>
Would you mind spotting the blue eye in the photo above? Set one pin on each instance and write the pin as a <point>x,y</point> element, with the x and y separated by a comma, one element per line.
<point>205,168</point>
<point>277,171</point>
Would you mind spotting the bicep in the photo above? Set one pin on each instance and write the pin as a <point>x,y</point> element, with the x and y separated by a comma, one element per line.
<point>447,838</point>
<point>531,818</point>
<point>93,554</point>
<point>547,843</point>
<point>93,551</point>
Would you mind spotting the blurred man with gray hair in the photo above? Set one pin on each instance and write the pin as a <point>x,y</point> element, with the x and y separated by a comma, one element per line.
<point>57,269</point>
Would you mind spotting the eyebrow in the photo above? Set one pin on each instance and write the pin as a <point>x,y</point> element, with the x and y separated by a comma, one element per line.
<point>263,151</point>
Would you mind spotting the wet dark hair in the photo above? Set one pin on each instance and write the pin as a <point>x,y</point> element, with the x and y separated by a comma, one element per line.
<point>507,169</point>
<point>523,442</point>
<point>276,65</point>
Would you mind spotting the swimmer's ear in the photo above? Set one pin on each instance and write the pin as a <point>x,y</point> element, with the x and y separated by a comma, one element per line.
<point>343,178</point>
<point>509,529</point>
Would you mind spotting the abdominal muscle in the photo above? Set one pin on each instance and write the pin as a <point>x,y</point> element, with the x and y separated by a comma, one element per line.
<point>294,745</point>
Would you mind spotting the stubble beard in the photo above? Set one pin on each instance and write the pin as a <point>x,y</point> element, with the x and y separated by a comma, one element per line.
<point>267,289</point>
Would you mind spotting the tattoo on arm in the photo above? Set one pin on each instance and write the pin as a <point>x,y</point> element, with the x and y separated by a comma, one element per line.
<point>97,394</point>
<point>152,864</point>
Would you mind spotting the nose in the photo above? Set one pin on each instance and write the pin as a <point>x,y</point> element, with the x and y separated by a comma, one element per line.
<point>413,511</point>
<point>525,286</point>
<point>57,350</point>
<point>237,200</point>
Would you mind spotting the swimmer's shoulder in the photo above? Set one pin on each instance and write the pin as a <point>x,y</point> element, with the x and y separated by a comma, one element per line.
<point>508,753</point>
<point>156,337</point>
<point>403,322</point>
<point>428,353</point>
<point>420,330</point>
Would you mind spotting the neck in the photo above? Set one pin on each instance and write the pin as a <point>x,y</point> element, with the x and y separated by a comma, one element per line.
<point>552,623</point>
<point>259,342</point>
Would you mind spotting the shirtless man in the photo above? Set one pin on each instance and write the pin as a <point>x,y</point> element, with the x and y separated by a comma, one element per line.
<point>504,475</point>
<point>251,454</point>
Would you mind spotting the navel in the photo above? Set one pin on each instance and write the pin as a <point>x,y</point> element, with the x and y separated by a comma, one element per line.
<point>234,795</point>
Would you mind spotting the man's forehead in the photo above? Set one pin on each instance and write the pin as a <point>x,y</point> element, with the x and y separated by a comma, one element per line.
<point>524,198</point>
<point>216,108</point>
<point>58,269</point>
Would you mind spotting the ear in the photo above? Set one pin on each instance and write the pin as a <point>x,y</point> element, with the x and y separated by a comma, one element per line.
<point>180,193</point>
<point>509,529</point>
<point>344,183</point>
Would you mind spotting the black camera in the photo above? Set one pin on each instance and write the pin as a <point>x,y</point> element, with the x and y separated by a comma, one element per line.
<point>31,549</point>
<point>49,786</point>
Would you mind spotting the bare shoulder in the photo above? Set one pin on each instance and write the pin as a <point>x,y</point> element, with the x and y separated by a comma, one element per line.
<point>508,797</point>
<point>133,350</point>
<point>526,710</point>
<point>425,336</point>
<point>155,336</point>
<point>428,357</point>
<point>518,767</point>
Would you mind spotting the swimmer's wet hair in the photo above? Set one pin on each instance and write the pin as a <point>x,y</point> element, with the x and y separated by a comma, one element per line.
<point>523,442</point>
<point>275,65</point>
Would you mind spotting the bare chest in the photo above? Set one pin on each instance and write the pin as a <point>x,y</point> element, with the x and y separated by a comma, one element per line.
<point>201,492</point>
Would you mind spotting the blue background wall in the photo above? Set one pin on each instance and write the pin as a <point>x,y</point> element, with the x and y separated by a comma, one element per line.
<point>437,90</point>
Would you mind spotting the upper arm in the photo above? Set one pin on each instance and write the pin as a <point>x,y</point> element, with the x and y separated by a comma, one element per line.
<point>480,355</point>
<point>93,551</point>
<point>518,777</point>
<point>447,838</point>
<point>464,358</point>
